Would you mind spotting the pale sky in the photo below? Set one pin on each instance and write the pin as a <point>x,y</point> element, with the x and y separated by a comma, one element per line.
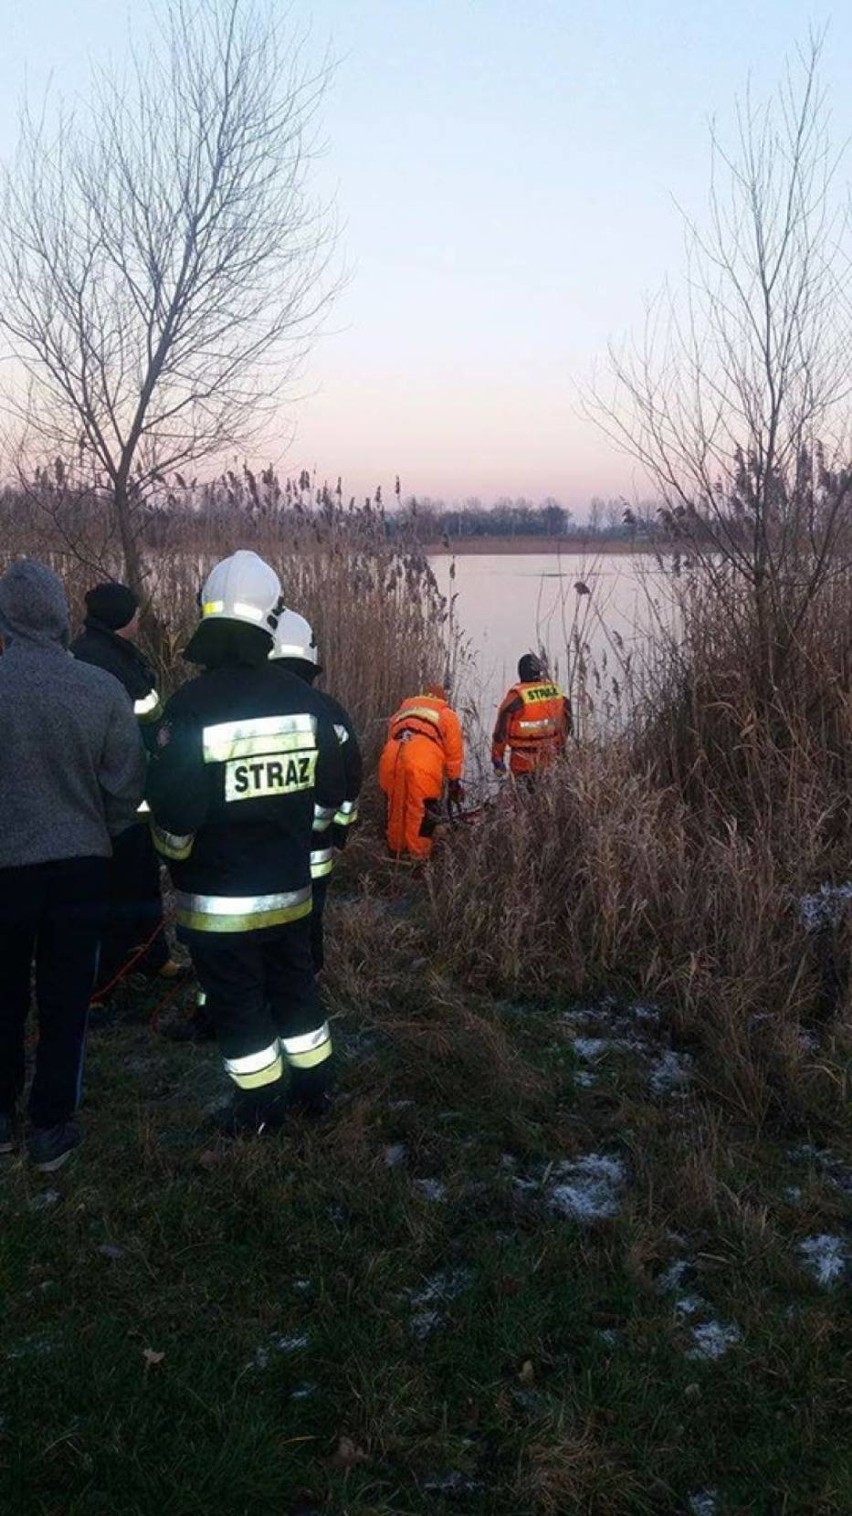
<point>505,174</point>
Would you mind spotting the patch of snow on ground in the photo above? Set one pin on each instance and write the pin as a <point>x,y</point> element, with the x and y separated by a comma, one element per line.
<point>434,1292</point>
<point>832,1168</point>
<point>672,1278</point>
<point>703,1503</point>
<point>825,1258</point>
<point>44,1201</point>
<point>670,1072</point>
<point>587,1189</point>
<point>591,1047</point>
<point>690,1305</point>
<point>431,1189</point>
<point>825,908</point>
<point>713,1338</point>
<point>278,1345</point>
<point>451,1484</point>
<point>424,1323</point>
<point>647,1013</point>
<point>445,1286</point>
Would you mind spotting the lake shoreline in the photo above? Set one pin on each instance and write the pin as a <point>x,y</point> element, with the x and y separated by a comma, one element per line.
<point>469,547</point>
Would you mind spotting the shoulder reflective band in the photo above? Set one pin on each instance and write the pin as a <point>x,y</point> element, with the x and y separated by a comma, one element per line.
<point>256,1069</point>
<point>424,711</point>
<point>323,817</point>
<point>347,814</point>
<point>240,913</point>
<point>322,862</point>
<point>171,844</point>
<point>258,734</point>
<point>149,708</point>
<point>308,1050</point>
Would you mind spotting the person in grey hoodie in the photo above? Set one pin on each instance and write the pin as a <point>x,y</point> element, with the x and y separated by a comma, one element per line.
<point>72,772</point>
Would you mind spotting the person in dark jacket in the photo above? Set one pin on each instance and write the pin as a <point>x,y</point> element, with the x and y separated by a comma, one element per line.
<point>135,915</point>
<point>72,772</point>
<point>247,765</point>
<point>294,651</point>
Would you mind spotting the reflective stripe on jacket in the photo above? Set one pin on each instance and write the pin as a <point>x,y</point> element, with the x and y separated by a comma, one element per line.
<point>427,716</point>
<point>240,913</point>
<point>533,720</point>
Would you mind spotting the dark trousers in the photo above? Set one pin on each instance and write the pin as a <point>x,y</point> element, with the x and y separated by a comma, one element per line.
<point>135,909</point>
<point>51,913</point>
<point>319,890</point>
<point>259,986</point>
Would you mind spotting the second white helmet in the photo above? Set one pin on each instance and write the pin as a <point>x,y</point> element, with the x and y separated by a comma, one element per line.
<point>294,638</point>
<point>242,588</point>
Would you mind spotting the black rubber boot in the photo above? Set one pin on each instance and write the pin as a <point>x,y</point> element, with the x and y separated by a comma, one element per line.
<point>255,1113</point>
<point>311,1090</point>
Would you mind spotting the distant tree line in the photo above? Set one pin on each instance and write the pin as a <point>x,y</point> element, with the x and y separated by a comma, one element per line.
<point>435,520</point>
<point>63,505</point>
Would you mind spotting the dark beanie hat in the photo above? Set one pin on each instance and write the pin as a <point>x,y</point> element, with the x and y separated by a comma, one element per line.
<point>530,669</point>
<point>112,604</point>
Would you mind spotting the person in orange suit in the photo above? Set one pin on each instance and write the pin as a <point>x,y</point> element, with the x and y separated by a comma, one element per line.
<point>424,749</point>
<point>534,720</point>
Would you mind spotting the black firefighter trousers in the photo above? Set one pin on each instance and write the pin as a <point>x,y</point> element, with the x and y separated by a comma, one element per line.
<point>260,989</point>
<point>51,913</point>
<point>135,909</point>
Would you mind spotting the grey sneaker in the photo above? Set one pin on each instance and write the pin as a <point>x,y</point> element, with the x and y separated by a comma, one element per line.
<point>7,1135</point>
<point>49,1146</point>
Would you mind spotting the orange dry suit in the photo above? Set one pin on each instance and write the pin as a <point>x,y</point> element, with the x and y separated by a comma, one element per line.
<point>534,721</point>
<point>424,748</point>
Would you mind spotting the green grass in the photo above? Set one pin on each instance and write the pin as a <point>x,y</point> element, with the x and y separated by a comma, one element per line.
<point>280,1280</point>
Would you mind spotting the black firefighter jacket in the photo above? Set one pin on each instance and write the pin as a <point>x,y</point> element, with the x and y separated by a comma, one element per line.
<point>247,764</point>
<point>98,645</point>
<point>353,769</point>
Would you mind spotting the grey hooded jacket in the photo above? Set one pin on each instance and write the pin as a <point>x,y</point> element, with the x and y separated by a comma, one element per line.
<point>72,767</point>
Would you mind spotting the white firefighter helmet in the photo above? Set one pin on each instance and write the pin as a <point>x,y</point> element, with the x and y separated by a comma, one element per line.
<point>294,638</point>
<point>242,588</point>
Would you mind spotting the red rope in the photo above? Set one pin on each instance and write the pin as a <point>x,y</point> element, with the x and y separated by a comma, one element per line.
<point>126,967</point>
<point>154,1022</point>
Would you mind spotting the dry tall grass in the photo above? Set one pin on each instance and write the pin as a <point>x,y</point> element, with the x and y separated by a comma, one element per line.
<point>666,861</point>
<point>382,625</point>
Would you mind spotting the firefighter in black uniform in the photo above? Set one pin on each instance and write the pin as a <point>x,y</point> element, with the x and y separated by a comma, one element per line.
<point>247,762</point>
<point>294,650</point>
<point>134,910</point>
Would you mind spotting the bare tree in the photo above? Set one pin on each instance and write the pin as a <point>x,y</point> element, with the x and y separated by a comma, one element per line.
<point>162,266</point>
<point>736,401</point>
